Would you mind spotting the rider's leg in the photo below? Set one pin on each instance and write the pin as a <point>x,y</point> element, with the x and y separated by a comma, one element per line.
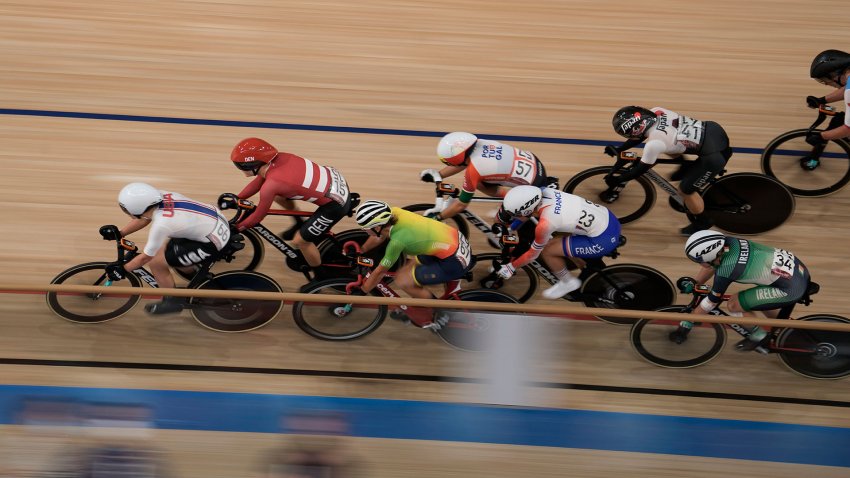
<point>308,250</point>
<point>290,205</point>
<point>177,252</point>
<point>714,154</point>
<point>406,280</point>
<point>555,256</point>
<point>160,270</point>
<point>314,229</point>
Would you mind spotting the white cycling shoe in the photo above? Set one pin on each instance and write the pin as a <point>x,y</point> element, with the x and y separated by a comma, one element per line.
<point>562,288</point>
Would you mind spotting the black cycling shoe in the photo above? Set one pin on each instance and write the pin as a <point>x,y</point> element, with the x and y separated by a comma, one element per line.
<point>168,305</point>
<point>400,315</point>
<point>289,234</point>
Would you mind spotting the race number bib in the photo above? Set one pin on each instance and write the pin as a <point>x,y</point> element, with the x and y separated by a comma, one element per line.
<point>524,168</point>
<point>220,233</point>
<point>338,188</point>
<point>464,253</point>
<point>783,263</point>
<point>690,132</point>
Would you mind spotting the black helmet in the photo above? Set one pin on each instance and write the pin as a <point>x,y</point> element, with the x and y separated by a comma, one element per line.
<point>633,121</point>
<point>828,64</point>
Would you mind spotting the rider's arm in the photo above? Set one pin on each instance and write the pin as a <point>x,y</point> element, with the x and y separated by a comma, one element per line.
<point>449,171</point>
<point>470,182</point>
<point>374,277</point>
<point>705,273</point>
<point>134,225</point>
<point>137,262</point>
<point>842,131</point>
<point>267,194</point>
<point>836,95</point>
<point>629,144</point>
<point>371,243</point>
<point>542,233</point>
<point>651,150</point>
<point>251,188</point>
<point>713,299</point>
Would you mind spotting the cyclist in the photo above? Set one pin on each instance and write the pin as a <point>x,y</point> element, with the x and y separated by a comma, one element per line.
<point>671,133</point>
<point>592,231</point>
<point>487,165</point>
<point>781,279</point>
<point>281,177</point>
<point>183,233</point>
<point>437,253</point>
<point>831,68</point>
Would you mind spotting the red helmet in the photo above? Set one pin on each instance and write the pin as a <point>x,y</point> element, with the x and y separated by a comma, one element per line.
<point>252,153</point>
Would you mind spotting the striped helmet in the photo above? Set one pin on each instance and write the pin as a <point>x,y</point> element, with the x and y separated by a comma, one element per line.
<point>373,214</point>
<point>704,246</point>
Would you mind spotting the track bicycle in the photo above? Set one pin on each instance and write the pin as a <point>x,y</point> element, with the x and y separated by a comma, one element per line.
<point>618,286</point>
<point>741,203</point>
<point>335,319</point>
<point>804,169</point>
<point>220,314</point>
<point>822,354</point>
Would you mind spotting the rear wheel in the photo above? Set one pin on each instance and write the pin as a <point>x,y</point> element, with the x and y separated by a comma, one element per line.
<point>807,170</point>
<point>666,344</point>
<point>821,354</point>
<point>236,315</point>
<point>468,329</point>
<point>748,203</point>
<point>627,286</point>
<point>635,200</point>
<point>90,308</point>
<point>331,317</point>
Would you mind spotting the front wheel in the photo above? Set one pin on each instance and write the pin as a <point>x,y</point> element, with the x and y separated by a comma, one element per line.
<point>236,315</point>
<point>627,286</point>
<point>90,308</point>
<point>635,200</point>
<point>666,344</point>
<point>823,354</point>
<point>468,329</point>
<point>805,169</point>
<point>748,203</point>
<point>331,317</point>
<point>521,286</point>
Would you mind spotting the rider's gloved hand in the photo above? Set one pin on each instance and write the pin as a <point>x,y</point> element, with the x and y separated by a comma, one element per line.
<point>506,271</point>
<point>227,201</point>
<point>612,150</point>
<point>814,101</point>
<point>110,232</point>
<point>686,285</point>
<point>430,176</point>
<point>433,214</point>
<point>115,270</point>
<point>814,138</point>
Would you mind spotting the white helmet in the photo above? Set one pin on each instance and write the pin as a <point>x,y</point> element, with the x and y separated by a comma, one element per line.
<point>453,146</point>
<point>373,214</point>
<point>136,198</point>
<point>704,246</point>
<point>522,200</point>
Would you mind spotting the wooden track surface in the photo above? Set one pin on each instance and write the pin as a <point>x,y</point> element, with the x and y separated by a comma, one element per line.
<point>542,68</point>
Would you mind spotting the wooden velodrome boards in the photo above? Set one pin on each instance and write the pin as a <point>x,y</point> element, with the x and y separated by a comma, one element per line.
<point>552,72</point>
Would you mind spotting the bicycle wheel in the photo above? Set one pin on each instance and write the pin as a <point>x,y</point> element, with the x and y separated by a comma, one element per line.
<point>748,203</point>
<point>333,318</point>
<point>90,308</point>
<point>521,286</point>
<point>246,259</point>
<point>793,162</point>
<point>456,221</point>
<point>467,329</point>
<point>236,315</point>
<point>654,341</point>
<point>627,286</point>
<point>635,200</point>
<point>820,353</point>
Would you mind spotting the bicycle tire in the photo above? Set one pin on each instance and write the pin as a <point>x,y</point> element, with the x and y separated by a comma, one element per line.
<point>831,357</point>
<point>317,319</point>
<point>770,203</point>
<point>459,222</point>
<point>97,276</point>
<point>521,286</point>
<point>650,338</point>
<point>254,251</point>
<point>632,204</point>
<point>641,288</point>
<point>236,315</point>
<point>786,166</point>
<point>467,330</point>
